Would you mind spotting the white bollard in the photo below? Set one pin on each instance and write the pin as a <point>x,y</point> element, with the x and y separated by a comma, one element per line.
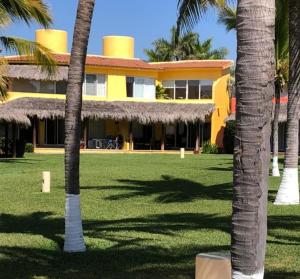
<point>46,182</point>
<point>182,153</point>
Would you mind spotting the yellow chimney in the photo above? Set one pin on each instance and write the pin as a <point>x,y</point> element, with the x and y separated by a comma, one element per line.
<point>55,40</point>
<point>118,46</point>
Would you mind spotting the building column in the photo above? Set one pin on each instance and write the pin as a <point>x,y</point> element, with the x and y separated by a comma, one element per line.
<point>14,140</point>
<point>197,141</point>
<point>6,140</point>
<point>85,132</point>
<point>131,143</point>
<point>34,122</point>
<point>162,137</point>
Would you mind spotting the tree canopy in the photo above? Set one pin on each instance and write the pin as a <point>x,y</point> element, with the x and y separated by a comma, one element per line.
<point>185,47</point>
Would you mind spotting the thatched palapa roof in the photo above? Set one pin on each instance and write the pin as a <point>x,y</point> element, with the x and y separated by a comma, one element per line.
<point>142,112</point>
<point>35,72</point>
<point>13,116</point>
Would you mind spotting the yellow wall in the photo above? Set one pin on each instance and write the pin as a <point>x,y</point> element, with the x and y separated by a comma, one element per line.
<point>116,87</point>
<point>222,110</point>
<point>209,74</point>
<point>118,46</point>
<point>55,40</point>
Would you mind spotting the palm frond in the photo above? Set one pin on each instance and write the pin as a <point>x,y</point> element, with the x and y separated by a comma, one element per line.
<point>190,11</point>
<point>227,16</point>
<point>3,79</point>
<point>40,55</point>
<point>26,10</point>
<point>281,29</point>
<point>4,19</point>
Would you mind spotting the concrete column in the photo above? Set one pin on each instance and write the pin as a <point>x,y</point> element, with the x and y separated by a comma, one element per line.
<point>131,143</point>
<point>162,137</point>
<point>34,124</point>
<point>197,142</point>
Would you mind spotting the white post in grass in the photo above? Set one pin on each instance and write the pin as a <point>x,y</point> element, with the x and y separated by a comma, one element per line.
<point>46,182</point>
<point>275,167</point>
<point>74,241</point>
<point>288,192</point>
<point>182,153</point>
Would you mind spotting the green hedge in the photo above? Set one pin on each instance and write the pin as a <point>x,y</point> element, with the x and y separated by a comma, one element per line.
<point>209,148</point>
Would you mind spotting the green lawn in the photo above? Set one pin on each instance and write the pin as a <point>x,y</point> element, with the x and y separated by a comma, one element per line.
<point>144,216</point>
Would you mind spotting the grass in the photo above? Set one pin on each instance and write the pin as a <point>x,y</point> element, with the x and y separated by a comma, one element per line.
<point>144,216</point>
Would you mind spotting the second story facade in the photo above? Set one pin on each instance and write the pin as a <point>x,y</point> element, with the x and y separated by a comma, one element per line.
<point>117,75</point>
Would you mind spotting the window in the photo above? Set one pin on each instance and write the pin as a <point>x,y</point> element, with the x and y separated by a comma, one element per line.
<point>180,89</point>
<point>169,86</point>
<point>91,85</point>
<point>138,87</point>
<point>47,87</point>
<point>39,86</point>
<point>206,89</point>
<point>129,86</point>
<point>61,87</point>
<point>94,85</point>
<point>191,89</point>
<point>25,85</point>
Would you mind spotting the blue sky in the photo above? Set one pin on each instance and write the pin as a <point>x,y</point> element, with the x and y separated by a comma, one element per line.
<point>144,20</point>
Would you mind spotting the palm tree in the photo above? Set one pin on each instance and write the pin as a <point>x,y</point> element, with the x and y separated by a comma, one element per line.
<point>74,241</point>
<point>288,192</point>
<point>227,16</point>
<point>254,90</point>
<point>27,11</point>
<point>184,47</point>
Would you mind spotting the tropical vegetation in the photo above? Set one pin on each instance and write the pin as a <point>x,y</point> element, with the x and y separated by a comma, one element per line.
<point>29,12</point>
<point>184,47</point>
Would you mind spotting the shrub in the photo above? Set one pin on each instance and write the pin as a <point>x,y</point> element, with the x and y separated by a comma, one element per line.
<point>228,140</point>
<point>29,148</point>
<point>161,92</point>
<point>209,148</point>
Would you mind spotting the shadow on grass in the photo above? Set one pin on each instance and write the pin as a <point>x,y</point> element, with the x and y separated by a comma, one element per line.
<point>18,161</point>
<point>134,251</point>
<point>134,248</point>
<point>168,190</point>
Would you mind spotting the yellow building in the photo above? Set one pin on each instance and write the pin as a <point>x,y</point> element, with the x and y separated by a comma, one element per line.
<point>121,105</point>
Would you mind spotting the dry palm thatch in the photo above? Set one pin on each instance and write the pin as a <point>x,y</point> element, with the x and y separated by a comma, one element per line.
<point>142,112</point>
<point>35,72</point>
<point>13,116</point>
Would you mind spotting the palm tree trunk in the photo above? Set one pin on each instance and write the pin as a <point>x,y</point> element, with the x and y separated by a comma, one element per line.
<point>255,88</point>
<point>288,192</point>
<point>275,167</point>
<point>74,241</point>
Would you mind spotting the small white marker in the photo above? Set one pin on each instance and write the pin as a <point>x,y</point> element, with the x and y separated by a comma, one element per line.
<point>46,182</point>
<point>182,153</point>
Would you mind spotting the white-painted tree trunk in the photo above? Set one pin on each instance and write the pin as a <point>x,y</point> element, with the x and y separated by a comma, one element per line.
<point>239,275</point>
<point>275,167</point>
<point>288,192</point>
<point>74,241</point>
